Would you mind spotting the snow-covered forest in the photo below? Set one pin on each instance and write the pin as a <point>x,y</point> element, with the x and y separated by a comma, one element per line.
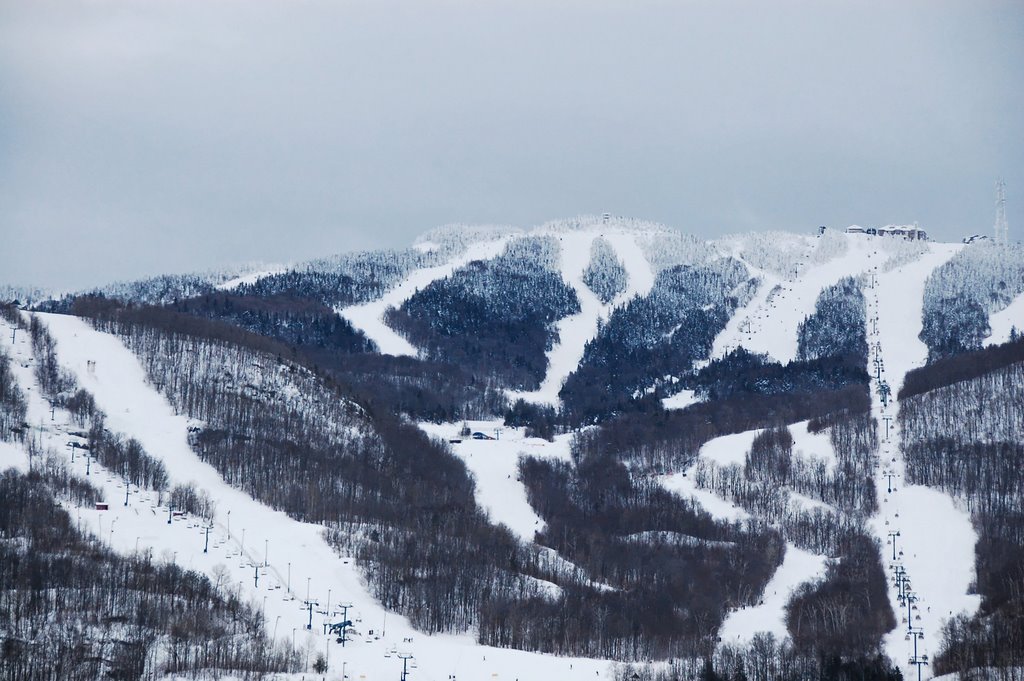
<point>651,457</point>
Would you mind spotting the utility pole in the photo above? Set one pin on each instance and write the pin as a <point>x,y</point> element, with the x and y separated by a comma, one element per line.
<point>206,547</point>
<point>919,662</point>
<point>255,574</point>
<point>888,422</point>
<point>405,657</point>
<point>889,475</point>
<point>309,605</point>
<point>169,512</point>
<point>892,540</point>
<point>911,598</point>
<point>344,621</point>
<point>1002,228</point>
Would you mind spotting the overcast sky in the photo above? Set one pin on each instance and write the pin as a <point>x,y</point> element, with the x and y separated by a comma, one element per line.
<point>154,136</point>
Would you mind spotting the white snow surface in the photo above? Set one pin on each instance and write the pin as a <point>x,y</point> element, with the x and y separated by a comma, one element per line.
<point>936,535</point>
<point>809,445</point>
<point>683,485</point>
<point>681,400</point>
<point>768,323</point>
<point>576,330</point>
<point>369,317</point>
<point>769,616</point>
<point>729,449</point>
<point>1005,320</point>
<point>251,277</point>
<point>296,553</point>
<point>495,468</point>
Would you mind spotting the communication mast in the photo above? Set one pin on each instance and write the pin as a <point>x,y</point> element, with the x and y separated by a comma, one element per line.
<point>1002,229</point>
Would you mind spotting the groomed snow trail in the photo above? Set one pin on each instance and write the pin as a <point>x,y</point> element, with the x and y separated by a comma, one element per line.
<point>296,554</point>
<point>935,545</point>
<point>798,566</point>
<point>495,468</point>
<point>369,317</point>
<point>575,331</point>
<point>1005,320</point>
<point>768,323</point>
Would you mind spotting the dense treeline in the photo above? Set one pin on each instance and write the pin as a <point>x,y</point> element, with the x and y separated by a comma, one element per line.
<point>964,438</point>
<point>763,485</point>
<point>538,420</point>
<point>838,326</point>
<point>341,280</point>
<point>741,373</point>
<point>605,275</point>
<point>960,295</point>
<point>481,317</point>
<point>12,402</point>
<point>673,571</point>
<point>289,319</point>
<point>71,609</point>
<point>847,613</point>
<point>398,501</point>
<point>765,659</point>
<point>653,336</point>
<point>663,441</point>
<point>427,390</point>
<point>961,367</point>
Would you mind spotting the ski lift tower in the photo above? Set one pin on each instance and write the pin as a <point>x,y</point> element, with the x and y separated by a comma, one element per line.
<point>1002,228</point>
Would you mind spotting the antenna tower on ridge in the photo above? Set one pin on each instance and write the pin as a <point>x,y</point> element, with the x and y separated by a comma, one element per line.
<point>1002,229</point>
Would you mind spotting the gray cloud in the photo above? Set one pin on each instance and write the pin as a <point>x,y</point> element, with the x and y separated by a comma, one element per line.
<point>144,137</point>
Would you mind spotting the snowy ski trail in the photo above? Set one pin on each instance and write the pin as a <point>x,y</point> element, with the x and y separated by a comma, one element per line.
<point>934,547</point>
<point>575,331</point>
<point>369,317</point>
<point>281,562</point>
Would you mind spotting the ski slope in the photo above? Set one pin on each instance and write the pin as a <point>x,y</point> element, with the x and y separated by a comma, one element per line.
<point>768,323</point>
<point>936,538</point>
<point>251,277</point>
<point>1005,320</point>
<point>494,465</point>
<point>299,564</point>
<point>769,616</point>
<point>369,317</point>
<point>798,566</point>
<point>576,330</point>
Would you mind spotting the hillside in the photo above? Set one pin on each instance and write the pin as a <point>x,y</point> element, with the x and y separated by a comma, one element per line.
<point>598,448</point>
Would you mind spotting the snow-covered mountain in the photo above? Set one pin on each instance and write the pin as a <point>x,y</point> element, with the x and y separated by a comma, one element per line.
<point>594,448</point>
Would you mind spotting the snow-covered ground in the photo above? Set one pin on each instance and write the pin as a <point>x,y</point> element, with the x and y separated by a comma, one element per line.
<point>495,468</point>
<point>369,317</point>
<point>251,277</point>
<point>936,539</point>
<point>683,485</point>
<point>1005,320</point>
<point>769,615</point>
<point>295,553</point>
<point>809,445</point>
<point>681,400</point>
<point>576,330</point>
<point>768,323</point>
<point>798,566</point>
